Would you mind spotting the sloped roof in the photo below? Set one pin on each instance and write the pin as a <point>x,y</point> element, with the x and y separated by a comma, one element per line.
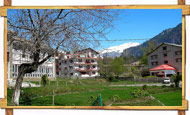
<point>87,49</point>
<point>162,67</point>
<point>164,44</point>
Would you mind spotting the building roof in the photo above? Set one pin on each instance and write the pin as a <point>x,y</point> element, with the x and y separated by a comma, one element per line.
<point>162,67</point>
<point>164,44</point>
<point>87,49</point>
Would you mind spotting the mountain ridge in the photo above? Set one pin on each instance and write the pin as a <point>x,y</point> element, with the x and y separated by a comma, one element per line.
<point>170,35</point>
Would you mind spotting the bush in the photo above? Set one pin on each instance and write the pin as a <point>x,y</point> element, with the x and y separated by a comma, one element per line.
<point>111,78</point>
<point>91,98</point>
<point>172,85</point>
<point>26,98</point>
<point>144,87</point>
<point>139,93</point>
<point>154,86</point>
<point>163,86</point>
<point>114,98</point>
<point>176,78</point>
<point>44,80</point>
<point>149,76</point>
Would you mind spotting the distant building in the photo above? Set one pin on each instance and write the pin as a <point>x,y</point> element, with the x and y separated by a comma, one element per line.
<point>80,64</point>
<point>16,57</point>
<point>165,60</point>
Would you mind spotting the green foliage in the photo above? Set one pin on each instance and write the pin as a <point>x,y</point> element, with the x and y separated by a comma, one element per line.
<point>144,87</point>
<point>139,93</point>
<point>149,76</point>
<point>91,98</point>
<point>26,98</point>
<point>163,86</point>
<point>117,66</point>
<point>81,95</point>
<point>114,98</point>
<point>172,85</point>
<point>44,80</point>
<point>105,66</point>
<point>129,59</point>
<point>112,78</point>
<point>144,59</point>
<point>176,78</point>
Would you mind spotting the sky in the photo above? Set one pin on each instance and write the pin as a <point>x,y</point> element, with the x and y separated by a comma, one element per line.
<point>141,24</point>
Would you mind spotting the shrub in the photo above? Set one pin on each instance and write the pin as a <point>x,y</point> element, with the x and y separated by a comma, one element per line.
<point>139,93</point>
<point>172,85</point>
<point>44,80</point>
<point>91,98</point>
<point>163,86</point>
<point>144,87</point>
<point>26,98</point>
<point>176,78</point>
<point>111,78</point>
<point>154,86</point>
<point>149,76</point>
<point>114,98</point>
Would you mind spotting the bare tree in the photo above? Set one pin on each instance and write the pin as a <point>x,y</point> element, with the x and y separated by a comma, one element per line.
<point>43,32</point>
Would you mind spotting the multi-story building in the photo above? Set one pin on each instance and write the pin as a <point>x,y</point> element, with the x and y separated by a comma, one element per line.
<point>80,64</point>
<point>165,60</point>
<point>15,57</point>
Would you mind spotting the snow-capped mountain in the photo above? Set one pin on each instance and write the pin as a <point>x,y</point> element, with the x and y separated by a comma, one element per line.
<point>115,51</point>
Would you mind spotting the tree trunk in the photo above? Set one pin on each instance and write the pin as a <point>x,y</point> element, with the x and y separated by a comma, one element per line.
<point>17,88</point>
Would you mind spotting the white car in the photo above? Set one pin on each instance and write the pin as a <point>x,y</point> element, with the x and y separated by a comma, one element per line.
<point>166,80</point>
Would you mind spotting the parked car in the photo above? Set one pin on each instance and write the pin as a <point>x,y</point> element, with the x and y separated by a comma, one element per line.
<point>167,80</point>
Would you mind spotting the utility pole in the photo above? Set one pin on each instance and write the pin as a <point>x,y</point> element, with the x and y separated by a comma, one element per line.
<point>106,63</point>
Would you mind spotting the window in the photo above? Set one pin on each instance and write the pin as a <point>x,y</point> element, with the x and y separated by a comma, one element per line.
<point>23,55</point>
<point>93,66</point>
<point>165,55</point>
<point>71,73</point>
<point>80,66</point>
<point>71,61</point>
<point>154,63</point>
<point>92,61</point>
<point>13,68</point>
<point>165,61</point>
<point>178,52</point>
<point>179,60</point>
<point>59,63</point>
<point>154,57</point>
<point>93,72</point>
<point>80,60</point>
<point>164,48</point>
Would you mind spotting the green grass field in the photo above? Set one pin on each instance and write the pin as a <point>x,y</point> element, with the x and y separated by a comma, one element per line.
<point>84,91</point>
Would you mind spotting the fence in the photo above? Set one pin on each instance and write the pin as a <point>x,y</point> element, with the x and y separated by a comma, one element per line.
<point>147,80</point>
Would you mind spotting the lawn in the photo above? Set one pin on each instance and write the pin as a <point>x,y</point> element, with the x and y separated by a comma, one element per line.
<point>170,98</point>
<point>83,93</point>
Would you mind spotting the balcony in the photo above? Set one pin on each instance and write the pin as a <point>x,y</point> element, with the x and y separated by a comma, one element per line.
<point>88,69</point>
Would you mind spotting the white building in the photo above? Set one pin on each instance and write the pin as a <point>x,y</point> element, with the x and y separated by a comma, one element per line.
<point>80,64</point>
<point>15,58</point>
